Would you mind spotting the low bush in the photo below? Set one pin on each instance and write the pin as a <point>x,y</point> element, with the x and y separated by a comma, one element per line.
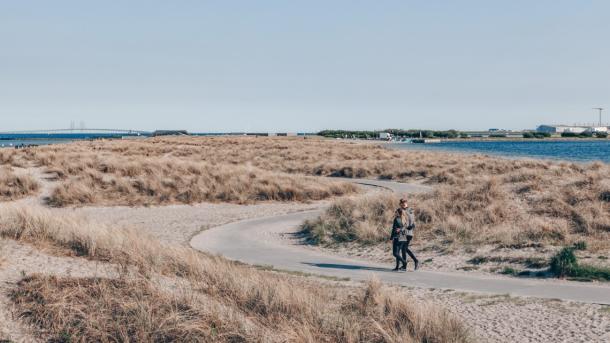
<point>565,264</point>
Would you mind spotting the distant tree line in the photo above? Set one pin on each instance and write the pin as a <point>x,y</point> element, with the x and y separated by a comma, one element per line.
<point>444,134</point>
<point>535,134</point>
<point>584,134</point>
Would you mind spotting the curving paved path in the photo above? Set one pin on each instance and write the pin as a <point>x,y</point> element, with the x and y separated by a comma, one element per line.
<point>259,242</point>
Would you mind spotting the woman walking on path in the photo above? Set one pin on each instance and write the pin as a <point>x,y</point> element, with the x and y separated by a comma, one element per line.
<point>404,233</point>
<point>399,239</point>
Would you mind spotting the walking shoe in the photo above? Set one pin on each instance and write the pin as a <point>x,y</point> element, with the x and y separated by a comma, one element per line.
<point>396,269</point>
<point>416,264</point>
<point>404,267</point>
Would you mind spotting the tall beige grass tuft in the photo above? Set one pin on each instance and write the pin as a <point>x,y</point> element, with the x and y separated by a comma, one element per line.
<point>106,310</point>
<point>14,186</point>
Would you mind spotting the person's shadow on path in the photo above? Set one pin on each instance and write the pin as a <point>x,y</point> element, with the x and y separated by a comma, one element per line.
<point>346,266</point>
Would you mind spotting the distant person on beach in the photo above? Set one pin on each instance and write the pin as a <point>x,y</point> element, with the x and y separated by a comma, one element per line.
<point>402,234</point>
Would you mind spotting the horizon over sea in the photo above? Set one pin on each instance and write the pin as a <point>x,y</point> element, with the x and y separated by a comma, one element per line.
<point>566,150</point>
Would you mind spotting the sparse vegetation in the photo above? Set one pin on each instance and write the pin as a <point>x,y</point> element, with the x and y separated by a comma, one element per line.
<point>169,293</point>
<point>565,264</point>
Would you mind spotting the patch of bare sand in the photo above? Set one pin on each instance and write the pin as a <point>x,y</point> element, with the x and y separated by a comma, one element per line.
<point>503,318</point>
<point>179,223</point>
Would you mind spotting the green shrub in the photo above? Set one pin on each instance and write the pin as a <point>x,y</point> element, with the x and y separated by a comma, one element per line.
<point>564,262</point>
<point>587,273</point>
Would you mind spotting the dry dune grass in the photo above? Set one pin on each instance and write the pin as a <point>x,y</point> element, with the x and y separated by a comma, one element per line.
<point>478,199</point>
<point>220,300</point>
<point>14,186</point>
<point>489,210</point>
<point>161,172</point>
<point>170,181</point>
<point>10,157</point>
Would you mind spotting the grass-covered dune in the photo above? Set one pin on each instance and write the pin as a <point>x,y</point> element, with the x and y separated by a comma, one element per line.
<point>518,208</point>
<point>477,199</point>
<point>163,293</point>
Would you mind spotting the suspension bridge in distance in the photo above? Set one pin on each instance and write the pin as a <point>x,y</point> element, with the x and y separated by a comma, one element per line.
<point>71,134</point>
<point>92,132</point>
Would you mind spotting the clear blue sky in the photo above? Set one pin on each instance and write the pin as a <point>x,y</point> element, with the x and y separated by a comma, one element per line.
<point>302,65</point>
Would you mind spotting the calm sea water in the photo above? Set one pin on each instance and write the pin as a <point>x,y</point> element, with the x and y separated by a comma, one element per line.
<point>16,142</point>
<point>577,150</point>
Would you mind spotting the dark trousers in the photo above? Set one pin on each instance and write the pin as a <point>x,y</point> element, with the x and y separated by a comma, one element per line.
<point>401,249</point>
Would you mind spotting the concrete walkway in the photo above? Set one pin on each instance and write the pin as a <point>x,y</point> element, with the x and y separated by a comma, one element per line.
<point>268,241</point>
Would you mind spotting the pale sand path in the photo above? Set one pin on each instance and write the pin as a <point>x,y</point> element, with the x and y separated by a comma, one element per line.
<point>252,241</point>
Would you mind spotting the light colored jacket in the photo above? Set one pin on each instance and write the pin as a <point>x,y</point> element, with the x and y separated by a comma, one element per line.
<point>410,222</point>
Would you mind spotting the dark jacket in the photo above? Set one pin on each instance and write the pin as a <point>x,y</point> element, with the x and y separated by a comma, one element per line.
<point>397,226</point>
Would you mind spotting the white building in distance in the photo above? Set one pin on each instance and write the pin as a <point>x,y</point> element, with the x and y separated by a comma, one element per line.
<point>385,135</point>
<point>561,129</point>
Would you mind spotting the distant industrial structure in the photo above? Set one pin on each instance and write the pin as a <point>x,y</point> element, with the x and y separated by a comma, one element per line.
<point>576,129</point>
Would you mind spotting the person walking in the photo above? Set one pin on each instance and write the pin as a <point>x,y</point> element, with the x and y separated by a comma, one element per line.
<point>409,221</point>
<point>399,239</point>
